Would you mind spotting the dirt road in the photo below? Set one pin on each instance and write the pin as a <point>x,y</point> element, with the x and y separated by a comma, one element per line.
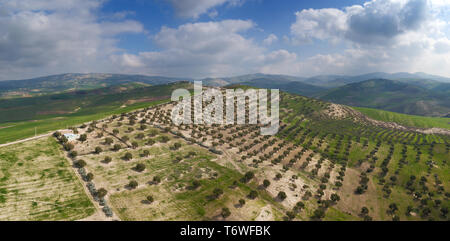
<point>25,140</point>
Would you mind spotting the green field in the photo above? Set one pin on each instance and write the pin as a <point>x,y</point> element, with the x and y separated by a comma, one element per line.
<point>20,130</point>
<point>37,183</point>
<point>21,117</point>
<point>406,120</point>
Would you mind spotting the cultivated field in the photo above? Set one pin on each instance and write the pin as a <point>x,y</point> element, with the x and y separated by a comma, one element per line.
<point>38,183</point>
<point>326,163</point>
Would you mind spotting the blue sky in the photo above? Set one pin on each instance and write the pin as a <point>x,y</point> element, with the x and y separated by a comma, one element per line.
<point>270,16</point>
<point>216,38</point>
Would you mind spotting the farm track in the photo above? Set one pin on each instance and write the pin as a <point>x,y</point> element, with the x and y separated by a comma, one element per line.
<point>25,140</point>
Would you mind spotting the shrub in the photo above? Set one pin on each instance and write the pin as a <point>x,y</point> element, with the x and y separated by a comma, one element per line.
<point>140,167</point>
<point>156,179</point>
<point>80,164</point>
<point>128,156</point>
<point>133,184</point>
<point>69,146</point>
<point>225,212</point>
<point>117,147</point>
<point>164,139</point>
<point>73,154</point>
<point>150,142</point>
<point>150,198</point>
<point>98,150</point>
<point>89,177</point>
<point>248,176</point>
<point>83,138</point>
<point>334,197</point>
<point>107,159</point>
<point>282,196</point>
<point>195,184</point>
<point>253,194</point>
<point>101,193</point>
<point>217,192</point>
<point>108,141</point>
<point>290,215</point>
<point>134,144</point>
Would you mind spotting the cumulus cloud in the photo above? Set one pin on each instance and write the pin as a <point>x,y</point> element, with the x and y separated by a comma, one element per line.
<point>40,37</point>
<point>195,8</point>
<point>373,22</point>
<point>208,49</point>
<point>381,35</point>
<point>270,39</point>
<point>201,49</point>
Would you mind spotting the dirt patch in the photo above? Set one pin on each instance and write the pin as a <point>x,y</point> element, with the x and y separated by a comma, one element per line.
<point>143,100</point>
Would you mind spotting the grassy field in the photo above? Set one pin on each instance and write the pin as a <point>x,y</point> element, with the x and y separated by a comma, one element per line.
<point>21,116</point>
<point>37,183</point>
<point>20,130</point>
<point>406,120</point>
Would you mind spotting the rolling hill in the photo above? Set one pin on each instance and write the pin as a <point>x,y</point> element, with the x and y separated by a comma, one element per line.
<point>294,87</point>
<point>396,96</point>
<point>70,82</point>
<point>333,81</point>
<point>24,117</point>
<point>327,162</point>
<point>250,78</point>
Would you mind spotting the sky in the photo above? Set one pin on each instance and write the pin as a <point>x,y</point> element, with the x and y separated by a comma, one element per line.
<point>218,38</point>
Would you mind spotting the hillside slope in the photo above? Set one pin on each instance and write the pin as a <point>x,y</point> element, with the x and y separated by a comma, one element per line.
<point>391,95</point>
<point>294,87</point>
<point>71,82</point>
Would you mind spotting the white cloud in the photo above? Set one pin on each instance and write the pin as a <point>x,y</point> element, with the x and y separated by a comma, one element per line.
<point>374,22</point>
<point>40,37</point>
<point>382,35</point>
<point>208,49</point>
<point>270,39</point>
<point>195,8</point>
<point>325,23</point>
<point>201,49</point>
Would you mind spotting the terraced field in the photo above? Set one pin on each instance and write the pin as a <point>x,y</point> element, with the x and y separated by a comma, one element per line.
<point>181,177</point>
<point>37,183</point>
<point>394,172</point>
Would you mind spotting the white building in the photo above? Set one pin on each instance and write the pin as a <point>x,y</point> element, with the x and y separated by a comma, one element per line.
<point>71,137</point>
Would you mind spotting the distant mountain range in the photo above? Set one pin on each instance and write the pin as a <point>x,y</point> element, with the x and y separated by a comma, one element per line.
<point>327,81</point>
<point>69,82</point>
<point>417,93</point>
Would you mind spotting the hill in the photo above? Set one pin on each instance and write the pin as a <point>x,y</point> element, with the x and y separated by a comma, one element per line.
<point>70,82</point>
<point>396,96</point>
<point>333,81</point>
<point>327,162</point>
<point>21,117</point>
<point>294,87</point>
<point>406,120</point>
<point>250,78</point>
